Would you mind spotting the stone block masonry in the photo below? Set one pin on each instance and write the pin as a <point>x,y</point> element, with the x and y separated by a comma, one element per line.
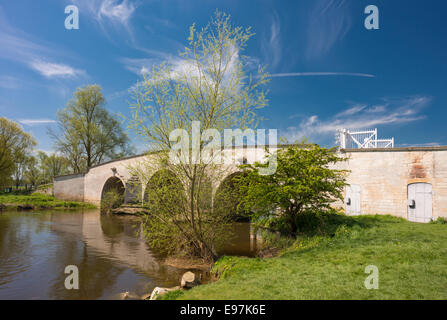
<point>384,175</point>
<point>69,187</point>
<point>381,178</point>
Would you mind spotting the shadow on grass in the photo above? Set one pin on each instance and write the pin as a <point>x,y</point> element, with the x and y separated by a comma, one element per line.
<point>328,223</point>
<point>315,229</point>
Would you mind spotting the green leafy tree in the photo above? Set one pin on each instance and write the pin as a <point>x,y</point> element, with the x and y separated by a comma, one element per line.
<point>89,134</point>
<point>41,158</point>
<point>304,182</point>
<point>15,144</point>
<point>54,165</point>
<point>211,83</point>
<point>21,162</point>
<point>72,149</point>
<point>33,172</point>
<point>228,197</point>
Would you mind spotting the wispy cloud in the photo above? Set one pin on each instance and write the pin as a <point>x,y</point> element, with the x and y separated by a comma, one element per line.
<point>351,111</point>
<point>378,108</point>
<point>165,23</point>
<point>186,69</point>
<point>47,151</point>
<point>139,66</point>
<point>329,22</point>
<point>393,111</point>
<point>20,47</point>
<point>307,74</point>
<point>34,122</point>
<point>50,70</point>
<point>271,44</point>
<point>113,10</point>
<point>115,13</point>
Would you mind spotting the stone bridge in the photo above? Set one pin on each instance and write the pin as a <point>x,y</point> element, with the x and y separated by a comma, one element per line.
<point>90,186</point>
<point>407,182</point>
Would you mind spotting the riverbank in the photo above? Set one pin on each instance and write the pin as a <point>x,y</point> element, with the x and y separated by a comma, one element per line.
<point>132,210</point>
<point>35,201</point>
<point>411,259</point>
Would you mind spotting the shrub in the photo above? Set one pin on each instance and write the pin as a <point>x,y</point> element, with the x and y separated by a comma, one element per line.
<point>440,220</point>
<point>110,200</point>
<point>303,183</point>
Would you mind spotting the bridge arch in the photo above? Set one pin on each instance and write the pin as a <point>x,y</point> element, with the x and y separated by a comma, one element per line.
<point>228,196</point>
<point>113,193</point>
<point>163,187</point>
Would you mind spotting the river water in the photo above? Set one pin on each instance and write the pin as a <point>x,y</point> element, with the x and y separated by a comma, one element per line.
<point>36,247</point>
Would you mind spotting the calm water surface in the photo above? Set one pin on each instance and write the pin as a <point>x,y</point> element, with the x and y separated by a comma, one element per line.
<point>35,248</point>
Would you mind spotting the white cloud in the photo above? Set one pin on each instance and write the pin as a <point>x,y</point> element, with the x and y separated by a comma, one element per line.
<point>329,22</point>
<point>139,66</point>
<point>33,122</point>
<point>47,151</point>
<point>17,46</point>
<point>306,74</point>
<point>375,109</point>
<point>144,70</point>
<point>351,111</point>
<point>115,11</point>
<point>359,116</point>
<point>51,70</point>
<point>186,69</point>
<point>271,45</point>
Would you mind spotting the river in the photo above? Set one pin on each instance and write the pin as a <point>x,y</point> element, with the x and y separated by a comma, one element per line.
<point>36,246</point>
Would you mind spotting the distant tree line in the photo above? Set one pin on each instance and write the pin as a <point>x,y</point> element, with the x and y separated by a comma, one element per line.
<point>87,134</point>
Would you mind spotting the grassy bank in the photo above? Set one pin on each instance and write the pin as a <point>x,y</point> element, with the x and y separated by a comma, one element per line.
<point>38,201</point>
<point>411,258</point>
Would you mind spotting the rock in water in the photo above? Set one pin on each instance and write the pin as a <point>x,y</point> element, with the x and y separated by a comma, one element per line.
<point>124,295</point>
<point>189,280</point>
<point>128,296</point>
<point>158,292</point>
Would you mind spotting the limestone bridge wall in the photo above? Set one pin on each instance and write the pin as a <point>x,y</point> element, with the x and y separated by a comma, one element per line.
<point>381,176</point>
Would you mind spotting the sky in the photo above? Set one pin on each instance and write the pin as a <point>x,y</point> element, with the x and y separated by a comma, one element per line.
<point>327,70</point>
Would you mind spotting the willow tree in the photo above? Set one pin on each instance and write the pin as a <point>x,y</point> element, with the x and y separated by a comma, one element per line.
<point>210,86</point>
<point>15,145</point>
<point>33,174</point>
<point>88,133</point>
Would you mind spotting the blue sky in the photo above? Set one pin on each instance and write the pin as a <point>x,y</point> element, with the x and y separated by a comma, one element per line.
<point>328,70</point>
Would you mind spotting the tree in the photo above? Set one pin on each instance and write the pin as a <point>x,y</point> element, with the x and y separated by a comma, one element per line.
<point>14,145</point>
<point>89,134</point>
<point>53,166</point>
<point>21,162</point>
<point>33,173</point>
<point>303,182</point>
<point>211,83</point>
<point>228,198</point>
<point>41,159</point>
<point>72,149</point>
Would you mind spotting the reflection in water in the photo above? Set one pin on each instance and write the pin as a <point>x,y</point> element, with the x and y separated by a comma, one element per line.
<point>243,242</point>
<point>112,257</point>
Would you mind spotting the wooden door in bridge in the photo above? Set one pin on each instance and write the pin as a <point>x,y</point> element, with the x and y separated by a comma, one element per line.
<point>420,198</point>
<point>352,200</point>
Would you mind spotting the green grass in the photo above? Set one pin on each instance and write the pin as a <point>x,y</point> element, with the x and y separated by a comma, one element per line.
<point>39,201</point>
<point>411,258</point>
